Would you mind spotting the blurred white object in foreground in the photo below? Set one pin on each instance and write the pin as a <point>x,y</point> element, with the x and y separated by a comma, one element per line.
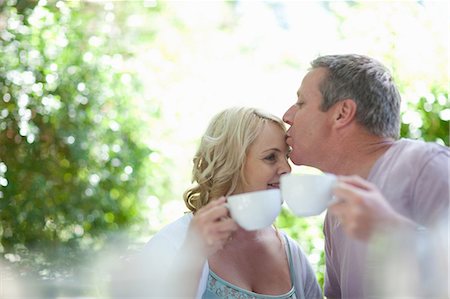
<point>10,287</point>
<point>409,264</point>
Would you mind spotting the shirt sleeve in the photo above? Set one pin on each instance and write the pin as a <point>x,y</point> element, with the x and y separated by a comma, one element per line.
<point>431,191</point>
<point>306,281</point>
<point>145,274</point>
<point>312,288</point>
<point>332,287</point>
<point>142,274</point>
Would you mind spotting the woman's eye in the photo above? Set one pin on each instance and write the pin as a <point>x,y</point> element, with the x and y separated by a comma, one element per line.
<point>270,157</point>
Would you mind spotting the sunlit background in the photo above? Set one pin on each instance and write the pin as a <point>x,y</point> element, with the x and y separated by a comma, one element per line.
<point>102,105</point>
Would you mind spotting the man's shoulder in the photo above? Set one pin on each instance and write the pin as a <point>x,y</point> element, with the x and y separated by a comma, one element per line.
<point>417,150</point>
<point>408,158</point>
<point>421,146</point>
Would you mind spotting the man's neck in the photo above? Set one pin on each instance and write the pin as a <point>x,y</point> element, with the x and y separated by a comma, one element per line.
<point>357,156</point>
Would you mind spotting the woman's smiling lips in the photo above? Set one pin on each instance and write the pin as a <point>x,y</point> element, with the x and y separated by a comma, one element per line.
<point>274,185</point>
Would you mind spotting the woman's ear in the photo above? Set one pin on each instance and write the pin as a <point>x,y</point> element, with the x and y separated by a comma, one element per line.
<point>345,112</point>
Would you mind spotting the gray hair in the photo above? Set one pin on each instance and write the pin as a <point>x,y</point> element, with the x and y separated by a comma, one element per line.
<point>369,84</point>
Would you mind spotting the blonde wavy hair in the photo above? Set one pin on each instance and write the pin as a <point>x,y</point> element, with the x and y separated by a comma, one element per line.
<point>219,160</point>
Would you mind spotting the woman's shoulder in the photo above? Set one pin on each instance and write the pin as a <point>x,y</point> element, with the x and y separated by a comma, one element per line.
<point>179,225</point>
<point>294,246</point>
<point>172,234</point>
<point>289,239</point>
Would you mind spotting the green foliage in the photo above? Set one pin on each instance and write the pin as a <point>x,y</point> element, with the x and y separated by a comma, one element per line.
<point>73,166</point>
<point>308,233</point>
<point>428,117</point>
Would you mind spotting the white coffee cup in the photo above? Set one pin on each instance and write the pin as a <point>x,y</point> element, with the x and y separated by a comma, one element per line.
<point>307,194</point>
<point>255,210</point>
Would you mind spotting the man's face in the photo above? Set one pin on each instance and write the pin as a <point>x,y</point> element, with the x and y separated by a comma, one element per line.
<point>309,126</point>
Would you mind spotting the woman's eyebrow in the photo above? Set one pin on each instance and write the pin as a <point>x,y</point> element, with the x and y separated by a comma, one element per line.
<point>272,149</point>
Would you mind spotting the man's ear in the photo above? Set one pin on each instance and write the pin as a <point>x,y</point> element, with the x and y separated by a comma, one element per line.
<point>345,112</point>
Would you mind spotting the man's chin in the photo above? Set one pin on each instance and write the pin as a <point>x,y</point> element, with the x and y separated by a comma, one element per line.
<point>298,161</point>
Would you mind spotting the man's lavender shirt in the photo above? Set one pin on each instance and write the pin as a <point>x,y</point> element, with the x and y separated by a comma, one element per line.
<point>414,178</point>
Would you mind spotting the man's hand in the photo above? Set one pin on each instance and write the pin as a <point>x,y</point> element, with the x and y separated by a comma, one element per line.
<point>362,209</point>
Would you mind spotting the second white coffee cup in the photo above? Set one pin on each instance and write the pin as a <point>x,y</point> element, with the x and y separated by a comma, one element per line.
<point>307,194</point>
<point>255,210</point>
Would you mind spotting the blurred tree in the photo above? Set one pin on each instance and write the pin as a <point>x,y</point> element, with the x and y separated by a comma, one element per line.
<point>73,167</point>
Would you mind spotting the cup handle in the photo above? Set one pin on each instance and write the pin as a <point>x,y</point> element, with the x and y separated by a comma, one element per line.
<point>334,200</point>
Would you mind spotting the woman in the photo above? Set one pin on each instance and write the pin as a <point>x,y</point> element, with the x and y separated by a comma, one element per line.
<point>204,253</point>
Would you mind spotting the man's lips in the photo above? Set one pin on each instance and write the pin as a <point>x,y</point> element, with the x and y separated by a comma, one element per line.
<point>288,140</point>
<point>274,185</point>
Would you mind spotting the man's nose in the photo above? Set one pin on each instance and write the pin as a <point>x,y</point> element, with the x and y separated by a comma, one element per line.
<point>287,117</point>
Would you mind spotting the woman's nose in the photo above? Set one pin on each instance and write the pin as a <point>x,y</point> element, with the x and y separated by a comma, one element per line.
<point>285,167</point>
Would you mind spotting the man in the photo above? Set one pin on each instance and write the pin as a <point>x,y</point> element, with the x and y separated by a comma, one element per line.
<point>346,121</point>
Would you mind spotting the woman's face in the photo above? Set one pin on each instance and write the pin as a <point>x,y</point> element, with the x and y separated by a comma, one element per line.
<point>266,161</point>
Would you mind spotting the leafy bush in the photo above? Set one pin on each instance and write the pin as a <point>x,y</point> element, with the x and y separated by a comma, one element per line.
<point>73,166</point>
<point>428,117</point>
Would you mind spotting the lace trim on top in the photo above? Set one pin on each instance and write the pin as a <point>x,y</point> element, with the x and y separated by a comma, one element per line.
<point>216,286</point>
<point>226,290</point>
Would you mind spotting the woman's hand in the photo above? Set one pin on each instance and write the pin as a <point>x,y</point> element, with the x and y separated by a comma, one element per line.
<point>211,228</point>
